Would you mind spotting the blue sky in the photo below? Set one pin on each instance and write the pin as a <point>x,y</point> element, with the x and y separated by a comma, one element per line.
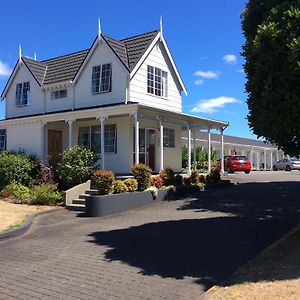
<point>204,37</point>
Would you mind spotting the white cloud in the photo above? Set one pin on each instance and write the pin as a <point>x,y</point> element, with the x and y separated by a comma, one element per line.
<point>4,69</point>
<point>199,82</point>
<point>230,58</point>
<point>212,105</point>
<point>208,74</point>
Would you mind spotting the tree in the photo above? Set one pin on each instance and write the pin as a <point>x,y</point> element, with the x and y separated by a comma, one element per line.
<point>272,67</point>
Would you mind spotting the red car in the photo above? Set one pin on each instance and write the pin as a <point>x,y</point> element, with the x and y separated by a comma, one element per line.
<point>237,163</point>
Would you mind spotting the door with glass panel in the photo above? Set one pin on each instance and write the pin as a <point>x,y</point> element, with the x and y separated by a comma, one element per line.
<point>147,138</point>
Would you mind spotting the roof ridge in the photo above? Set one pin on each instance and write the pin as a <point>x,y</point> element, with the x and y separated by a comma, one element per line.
<point>34,61</point>
<point>139,35</point>
<point>64,55</point>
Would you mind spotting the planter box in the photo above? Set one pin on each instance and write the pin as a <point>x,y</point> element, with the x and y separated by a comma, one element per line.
<point>97,206</point>
<point>163,195</point>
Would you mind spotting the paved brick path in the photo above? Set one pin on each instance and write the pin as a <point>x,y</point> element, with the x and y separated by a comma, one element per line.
<point>167,250</point>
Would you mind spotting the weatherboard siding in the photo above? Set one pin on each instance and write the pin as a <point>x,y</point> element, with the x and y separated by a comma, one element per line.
<point>138,84</point>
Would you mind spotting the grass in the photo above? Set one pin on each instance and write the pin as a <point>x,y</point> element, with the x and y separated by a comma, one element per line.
<point>274,274</point>
<point>14,215</point>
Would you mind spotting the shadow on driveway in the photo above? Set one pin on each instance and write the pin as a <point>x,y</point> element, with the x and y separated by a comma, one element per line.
<point>208,249</point>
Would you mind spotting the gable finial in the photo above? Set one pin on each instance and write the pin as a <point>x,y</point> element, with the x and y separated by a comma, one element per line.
<point>34,56</point>
<point>99,28</point>
<point>20,52</point>
<point>161,25</point>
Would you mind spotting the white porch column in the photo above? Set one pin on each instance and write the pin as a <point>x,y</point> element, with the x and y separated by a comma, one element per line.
<point>229,151</point>
<point>43,140</point>
<point>271,159</point>
<point>137,138</point>
<point>251,158</point>
<point>102,118</point>
<point>189,150</point>
<point>265,160</point>
<point>277,155</point>
<point>70,139</point>
<point>222,151</point>
<point>161,128</point>
<point>209,151</point>
<point>257,160</point>
<point>194,149</point>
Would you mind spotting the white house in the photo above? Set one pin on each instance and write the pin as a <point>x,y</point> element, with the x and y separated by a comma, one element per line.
<point>121,98</point>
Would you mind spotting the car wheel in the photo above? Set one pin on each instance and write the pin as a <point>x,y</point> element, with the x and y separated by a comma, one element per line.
<point>274,168</point>
<point>247,172</point>
<point>288,168</point>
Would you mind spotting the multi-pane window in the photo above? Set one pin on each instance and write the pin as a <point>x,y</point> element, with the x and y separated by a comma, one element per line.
<point>169,137</point>
<point>157,82</point>
<point>2,139</point>
<point>101,79</point>
<point>59,94</point>
<point>22,94</point>
<point>90,137</point>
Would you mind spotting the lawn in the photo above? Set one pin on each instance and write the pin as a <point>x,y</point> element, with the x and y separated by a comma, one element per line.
<point>13,215</point>
<point>274,274</point>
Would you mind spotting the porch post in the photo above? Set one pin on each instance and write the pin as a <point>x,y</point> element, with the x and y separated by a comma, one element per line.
<point>222,150</point>
<point>70,123</point>
<point>271,159</point>
<point>257,160</point>
<point>209,151</point>
<point>43,146</point>
<point>277,155</point>
<point>265,160</point>
<point>251,158</point>
<point>161,128</point>
<point>102,118</point>
<point>137,139</point>
<point>189,150</point>
<point>194,149</point>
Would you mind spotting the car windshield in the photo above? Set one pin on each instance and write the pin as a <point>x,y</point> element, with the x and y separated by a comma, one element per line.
<point>239,157</point>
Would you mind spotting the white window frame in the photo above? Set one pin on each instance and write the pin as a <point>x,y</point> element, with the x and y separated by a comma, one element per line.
<point>2,139</point>
<point>157,82</point>
<point>169,138</point>
<point>58,94</point>
<point>20,94</point>
<point>100,84</point>
<point>106,138</point>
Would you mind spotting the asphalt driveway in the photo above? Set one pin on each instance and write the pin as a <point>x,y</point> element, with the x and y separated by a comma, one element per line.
<point>169,250</point>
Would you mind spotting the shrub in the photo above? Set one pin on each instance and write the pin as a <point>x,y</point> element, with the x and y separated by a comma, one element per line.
<point>202,179</point>
<point>187,180</point>
<point>195,176</point>
<point>76,166</point>
<point>16,190</point>
<point>119,187</point>
<point>132,184</point>
<point>157,182</point>
<point>14,168</point>
<point>104,181</point>
<point>45,194</point>
<point>213,177</point>
<point>154,191</point>
<point>142,174</point>
<point>167,175</point>
<point>178,180</point>
<point>44,174</point>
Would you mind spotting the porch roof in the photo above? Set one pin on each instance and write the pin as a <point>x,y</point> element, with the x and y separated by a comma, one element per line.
<point>120,109</point>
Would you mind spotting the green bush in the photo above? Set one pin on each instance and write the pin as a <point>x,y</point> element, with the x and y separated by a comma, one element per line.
<point>45,194</point>
<point>157,182</point>
<point>187,180</point>
<point>142,174</point>
<point>104,181</point>
<point>178,180</point>
<point>132,184</point>
<point>213,177</point>
<point>119,187</point>
<point>195,176</point>
<point>154,191</point>
<point>16,190</point>
<point>15,167</point>
<point>167,175</point>
<point>76,166</point>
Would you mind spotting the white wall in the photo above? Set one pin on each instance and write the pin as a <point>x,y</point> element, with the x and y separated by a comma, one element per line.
<point>37,101</point>
<point>27,137</point>
<point>59,104</point>
<point>83,88</point>
<point>138,84</point>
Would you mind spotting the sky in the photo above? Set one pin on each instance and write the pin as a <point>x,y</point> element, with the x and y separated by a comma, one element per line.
<point>204,37</point>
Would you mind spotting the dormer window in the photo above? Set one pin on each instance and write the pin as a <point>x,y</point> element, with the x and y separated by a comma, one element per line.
<point>157,82</point>
<point>101,79</point>
<point>23,94</point>
<point>59,94</point>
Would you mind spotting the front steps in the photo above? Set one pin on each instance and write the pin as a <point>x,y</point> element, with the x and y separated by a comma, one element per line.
<point>79,203</point>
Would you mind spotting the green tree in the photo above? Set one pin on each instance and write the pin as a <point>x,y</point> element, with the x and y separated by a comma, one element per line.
<point>272,67</point>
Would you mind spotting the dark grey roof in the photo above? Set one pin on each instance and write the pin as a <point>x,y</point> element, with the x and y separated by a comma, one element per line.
<point>38,69</point>
<point>65,68</point>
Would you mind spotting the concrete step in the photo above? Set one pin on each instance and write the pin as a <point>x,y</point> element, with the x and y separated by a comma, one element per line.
<point>92,192</point>
<point>79,201</point>
<point>76,207</point>
<point>82,196</point>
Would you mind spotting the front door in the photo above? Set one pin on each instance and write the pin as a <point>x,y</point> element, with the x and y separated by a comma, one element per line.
<point>54,146</point>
